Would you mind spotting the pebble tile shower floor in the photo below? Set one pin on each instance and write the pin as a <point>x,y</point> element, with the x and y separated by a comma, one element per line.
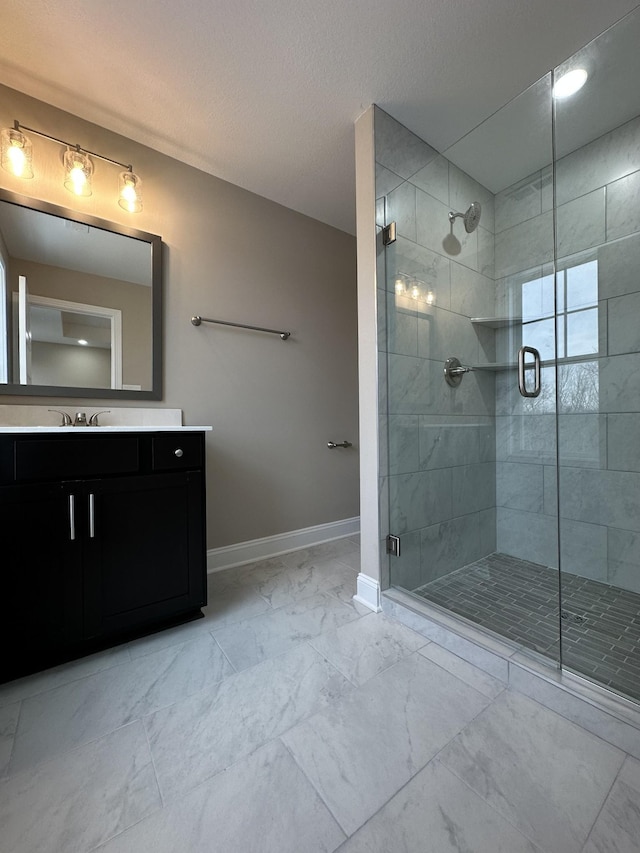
<point>519,600</point>
<point>293,720</point>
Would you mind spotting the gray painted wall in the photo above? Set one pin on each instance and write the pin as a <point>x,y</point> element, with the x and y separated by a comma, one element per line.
<point>237,256</point>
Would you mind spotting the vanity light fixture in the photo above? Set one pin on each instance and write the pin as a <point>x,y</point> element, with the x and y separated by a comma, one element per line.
<point>82,342</point>
<point>16,153</point>
<point>16,159</point>
<point>570,83</point>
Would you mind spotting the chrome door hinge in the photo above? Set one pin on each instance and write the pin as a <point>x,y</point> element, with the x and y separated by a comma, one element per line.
<point>389,234</point>
<point>393,545</point>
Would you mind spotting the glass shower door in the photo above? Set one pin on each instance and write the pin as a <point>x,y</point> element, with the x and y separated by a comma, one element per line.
<point>597,142</point>
<point>470,470</point>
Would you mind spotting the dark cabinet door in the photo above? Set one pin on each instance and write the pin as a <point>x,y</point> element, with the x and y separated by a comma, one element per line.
<point>144,552</point>
<point>40,601</point>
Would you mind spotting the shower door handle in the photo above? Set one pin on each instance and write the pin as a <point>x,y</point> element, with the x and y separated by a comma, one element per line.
<point>522,368</point>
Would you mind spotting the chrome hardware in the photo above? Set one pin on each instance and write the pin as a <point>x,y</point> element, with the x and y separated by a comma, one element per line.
<point>196,321</point>
<point>179,452</point>
<point>93,420</point>
<point>389,234</point>
<point>522,367</point>
<point>92,519</point>
<point>66,418</point>
<point>80,419</point>
<point>332,444</point>
<point>393,545</point>
<point>72,517</point>
<point>454,371</point>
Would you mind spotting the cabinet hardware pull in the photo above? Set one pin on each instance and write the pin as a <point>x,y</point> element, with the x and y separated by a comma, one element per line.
<point>178,452</point>
<point>92,522</point>
<point>72,517</point>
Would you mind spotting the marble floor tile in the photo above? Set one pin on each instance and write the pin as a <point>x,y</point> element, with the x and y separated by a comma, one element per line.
<point>363,648</point>
<point>21,688</point>
<point>318,553</point>
<point>352,559</point>
<point>237,811</point>
<point>75,713</point>
<point>291,585</point>
<point>82,798</point>
<point>409,712</point>
<point>177,636</point>
<point>270,634</point>
<point>546,775</point>
<point>8,725</point>
<point>202,735</point>
<point>233,605</point>
<point>617,829</point>
<point>345,589</point>
<point>465,671</point>
<point>436,812</point>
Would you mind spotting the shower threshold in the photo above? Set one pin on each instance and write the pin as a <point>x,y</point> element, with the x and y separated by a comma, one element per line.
<point>519,601</point>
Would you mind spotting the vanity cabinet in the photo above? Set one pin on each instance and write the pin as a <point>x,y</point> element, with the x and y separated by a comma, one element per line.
<point>103,539</point>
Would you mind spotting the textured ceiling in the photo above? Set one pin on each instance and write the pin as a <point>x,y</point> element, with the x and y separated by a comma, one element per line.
<point>264,93</point>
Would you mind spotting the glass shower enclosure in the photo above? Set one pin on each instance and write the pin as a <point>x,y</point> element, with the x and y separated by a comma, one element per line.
<point>509,313</point>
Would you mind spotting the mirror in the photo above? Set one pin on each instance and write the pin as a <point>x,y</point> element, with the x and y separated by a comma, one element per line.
<point>80,304</point>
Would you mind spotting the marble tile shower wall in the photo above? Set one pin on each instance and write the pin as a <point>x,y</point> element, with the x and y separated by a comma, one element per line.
<point>437,463</point>
<point>598,220</point>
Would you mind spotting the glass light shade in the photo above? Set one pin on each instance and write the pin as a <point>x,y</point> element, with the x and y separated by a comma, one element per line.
<point>16,153</point>
<point>130,192</point>
<point>78,172</point>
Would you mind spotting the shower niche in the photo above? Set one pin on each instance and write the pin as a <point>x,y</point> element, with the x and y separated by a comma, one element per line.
<point>509,366</point>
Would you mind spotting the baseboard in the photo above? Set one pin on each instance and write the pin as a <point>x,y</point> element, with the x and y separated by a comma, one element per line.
<point>368,593</point>
<point>272,546</point>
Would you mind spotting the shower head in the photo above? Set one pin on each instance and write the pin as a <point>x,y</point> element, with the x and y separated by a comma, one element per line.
<point>471,217</point>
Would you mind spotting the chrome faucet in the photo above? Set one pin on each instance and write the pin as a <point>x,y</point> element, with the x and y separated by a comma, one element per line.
<point>93,420</point>
<point>80,419</point>
<point>66,418</point>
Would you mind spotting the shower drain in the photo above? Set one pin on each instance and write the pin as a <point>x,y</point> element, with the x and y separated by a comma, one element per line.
<point>574,618</point>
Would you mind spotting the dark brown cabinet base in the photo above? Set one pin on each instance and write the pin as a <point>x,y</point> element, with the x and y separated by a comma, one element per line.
<point>98,557</point>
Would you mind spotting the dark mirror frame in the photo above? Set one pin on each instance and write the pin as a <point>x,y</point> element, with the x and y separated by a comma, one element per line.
<point>155,244</point>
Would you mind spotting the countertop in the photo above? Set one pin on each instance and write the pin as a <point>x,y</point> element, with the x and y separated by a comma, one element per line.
<point>108,429</point>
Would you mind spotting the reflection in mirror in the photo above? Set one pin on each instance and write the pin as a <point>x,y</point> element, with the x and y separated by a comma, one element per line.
<point>81,303</point>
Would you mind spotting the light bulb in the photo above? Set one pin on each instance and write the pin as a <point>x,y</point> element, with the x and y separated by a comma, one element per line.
<point>82,342</point>
<point>130,195</point>
<point>17,159</point>
<point>78,179</point>
<point>430,297</point>
<point>415,291</point>
<point>78,171</point>
<point>399,287</point>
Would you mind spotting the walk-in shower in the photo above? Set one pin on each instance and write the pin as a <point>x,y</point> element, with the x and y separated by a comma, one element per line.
<point>513,479</point>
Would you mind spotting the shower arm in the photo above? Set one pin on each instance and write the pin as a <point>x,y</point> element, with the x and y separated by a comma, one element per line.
<point>459,371</point>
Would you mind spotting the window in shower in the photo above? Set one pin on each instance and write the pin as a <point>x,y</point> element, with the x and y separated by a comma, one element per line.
<point>570,329</point>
